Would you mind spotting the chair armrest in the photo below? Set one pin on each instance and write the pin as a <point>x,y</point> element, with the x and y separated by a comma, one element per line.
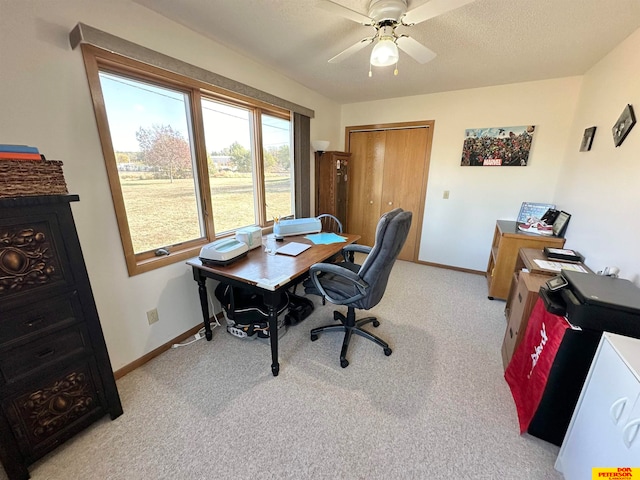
<point>345,273</point>
<point>351,248</point>
<point>354,247</point>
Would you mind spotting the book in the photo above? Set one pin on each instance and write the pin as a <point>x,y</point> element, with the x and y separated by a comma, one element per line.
<point>17,148</point>
<point>563,254</point>
<point>19,156</point>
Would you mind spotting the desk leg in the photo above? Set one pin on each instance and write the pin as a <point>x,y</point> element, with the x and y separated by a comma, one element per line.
<point>204,304</point>
<point>273,335</point>
<point>271,301</point>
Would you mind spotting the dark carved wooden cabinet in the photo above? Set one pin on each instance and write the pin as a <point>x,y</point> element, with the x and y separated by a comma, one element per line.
<point>332,177</point>
<point>55,373</point>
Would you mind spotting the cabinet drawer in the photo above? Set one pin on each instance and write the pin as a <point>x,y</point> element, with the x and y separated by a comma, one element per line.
<point>28,358</point>
<point>39,317</point>
<point>49,410</point>
<point>33,258</point>
<point>522,299</point>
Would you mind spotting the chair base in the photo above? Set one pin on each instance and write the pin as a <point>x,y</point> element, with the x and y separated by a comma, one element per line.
<point>349,325</point>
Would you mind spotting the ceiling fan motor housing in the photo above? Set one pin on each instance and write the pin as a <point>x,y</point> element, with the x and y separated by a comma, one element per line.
<point>387,10</point>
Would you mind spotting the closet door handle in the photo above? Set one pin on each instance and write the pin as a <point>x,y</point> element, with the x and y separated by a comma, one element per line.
<point>616,409</point>
<point>630,432</point>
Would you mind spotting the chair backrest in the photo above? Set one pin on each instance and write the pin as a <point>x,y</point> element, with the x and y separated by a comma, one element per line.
<point>391,234</point>
<point>330,223</point>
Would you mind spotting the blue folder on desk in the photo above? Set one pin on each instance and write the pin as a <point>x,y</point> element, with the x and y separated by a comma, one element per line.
<point>325,238</point>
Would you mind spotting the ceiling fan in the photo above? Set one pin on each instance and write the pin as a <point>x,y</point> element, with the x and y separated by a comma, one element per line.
<point>385,16</point>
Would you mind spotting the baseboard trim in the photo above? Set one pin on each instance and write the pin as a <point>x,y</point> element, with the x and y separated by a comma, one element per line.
<point>121,372</point>
<point>449,267</point>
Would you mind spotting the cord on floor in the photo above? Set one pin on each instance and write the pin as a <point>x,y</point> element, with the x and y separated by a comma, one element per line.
<point>196,337</point>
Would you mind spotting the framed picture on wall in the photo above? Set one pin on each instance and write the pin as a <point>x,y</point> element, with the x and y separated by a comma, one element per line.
<point>497,146</point>
<point>587,139</point>
<point>624,125</point>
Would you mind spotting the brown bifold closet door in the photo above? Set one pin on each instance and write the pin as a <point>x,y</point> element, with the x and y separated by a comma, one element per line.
<point>389,169</point>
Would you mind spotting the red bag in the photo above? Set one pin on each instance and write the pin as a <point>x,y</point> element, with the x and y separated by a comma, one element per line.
<point>528,371</point>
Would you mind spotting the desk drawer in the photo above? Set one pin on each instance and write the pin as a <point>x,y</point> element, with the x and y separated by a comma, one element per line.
<point>39,317</point>
<point>28,358</point>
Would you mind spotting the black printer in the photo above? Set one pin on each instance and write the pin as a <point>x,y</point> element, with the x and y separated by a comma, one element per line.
<point>596,304</point>
<point>602,303</point>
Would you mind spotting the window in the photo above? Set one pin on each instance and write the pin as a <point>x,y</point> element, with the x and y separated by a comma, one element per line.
<point>276,134</point>
<point>227,131</point>
<point>154,157</point>
<point>186,163</point>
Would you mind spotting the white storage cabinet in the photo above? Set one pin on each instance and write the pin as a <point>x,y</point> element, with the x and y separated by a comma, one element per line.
<point>605,427</point>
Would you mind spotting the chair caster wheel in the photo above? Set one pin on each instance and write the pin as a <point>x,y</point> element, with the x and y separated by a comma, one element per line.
<point>314,337</point>
<point>344,363</point>
<point>375,323</point>
<point>387,351</point>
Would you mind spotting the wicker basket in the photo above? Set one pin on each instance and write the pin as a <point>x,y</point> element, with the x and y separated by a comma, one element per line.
<point>20,178</point>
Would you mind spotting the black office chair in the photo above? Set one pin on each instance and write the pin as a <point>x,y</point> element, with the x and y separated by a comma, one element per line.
<point>362,288</point>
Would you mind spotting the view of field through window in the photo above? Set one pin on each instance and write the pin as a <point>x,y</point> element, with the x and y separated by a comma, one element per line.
<point>152,139</point>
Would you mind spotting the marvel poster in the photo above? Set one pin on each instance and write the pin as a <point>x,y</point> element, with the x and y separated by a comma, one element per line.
<point>497,146</point>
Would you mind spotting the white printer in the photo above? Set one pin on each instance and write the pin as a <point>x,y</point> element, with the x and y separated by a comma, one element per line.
<point>223,252</point>
<point>297,226</point>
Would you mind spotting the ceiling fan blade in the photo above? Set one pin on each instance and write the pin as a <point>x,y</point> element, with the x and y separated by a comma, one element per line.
<point>432,9</point>
<point>351,50</point>
<point>415,49</point>
<point>336,8</point>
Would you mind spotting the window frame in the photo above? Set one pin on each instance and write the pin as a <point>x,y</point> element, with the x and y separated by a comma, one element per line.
<point>96,60</point>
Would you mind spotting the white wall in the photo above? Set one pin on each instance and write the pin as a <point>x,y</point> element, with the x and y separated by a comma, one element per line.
<point>458,231</point>
<point>45,102</point>
<point>600,188</point>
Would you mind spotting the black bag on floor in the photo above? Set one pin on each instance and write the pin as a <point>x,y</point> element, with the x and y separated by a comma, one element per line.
<point>245,311</point>
<point>299,309</point>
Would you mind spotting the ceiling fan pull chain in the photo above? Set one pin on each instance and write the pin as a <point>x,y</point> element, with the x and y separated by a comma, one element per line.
<point>395,72</point>
<point>370,74</point>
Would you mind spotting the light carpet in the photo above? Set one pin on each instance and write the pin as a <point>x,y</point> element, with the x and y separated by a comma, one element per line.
<point>438,407</point>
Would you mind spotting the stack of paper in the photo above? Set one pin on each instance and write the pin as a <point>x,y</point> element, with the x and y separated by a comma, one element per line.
<point>293,248</point>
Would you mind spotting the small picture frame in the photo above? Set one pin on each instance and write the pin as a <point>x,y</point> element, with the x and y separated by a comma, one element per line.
<point>560,225</point>
<point>623,126</point>
<point>587,139</point>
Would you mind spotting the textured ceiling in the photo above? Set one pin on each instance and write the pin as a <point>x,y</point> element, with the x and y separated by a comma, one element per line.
<point>484,43</point>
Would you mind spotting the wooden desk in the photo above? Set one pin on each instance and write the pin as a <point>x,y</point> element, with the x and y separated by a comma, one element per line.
<point>507,242</point>
<point>528,256</point>
<point>268,275</point>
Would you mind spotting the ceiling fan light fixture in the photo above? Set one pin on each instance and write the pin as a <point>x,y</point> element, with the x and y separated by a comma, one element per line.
<point>384,53</point>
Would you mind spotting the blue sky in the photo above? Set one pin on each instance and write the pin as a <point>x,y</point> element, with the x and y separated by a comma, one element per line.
<point>131,104</point>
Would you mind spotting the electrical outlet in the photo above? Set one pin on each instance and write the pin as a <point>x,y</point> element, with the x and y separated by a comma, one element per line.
<point>445,194</point>
<point>152,316</point>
